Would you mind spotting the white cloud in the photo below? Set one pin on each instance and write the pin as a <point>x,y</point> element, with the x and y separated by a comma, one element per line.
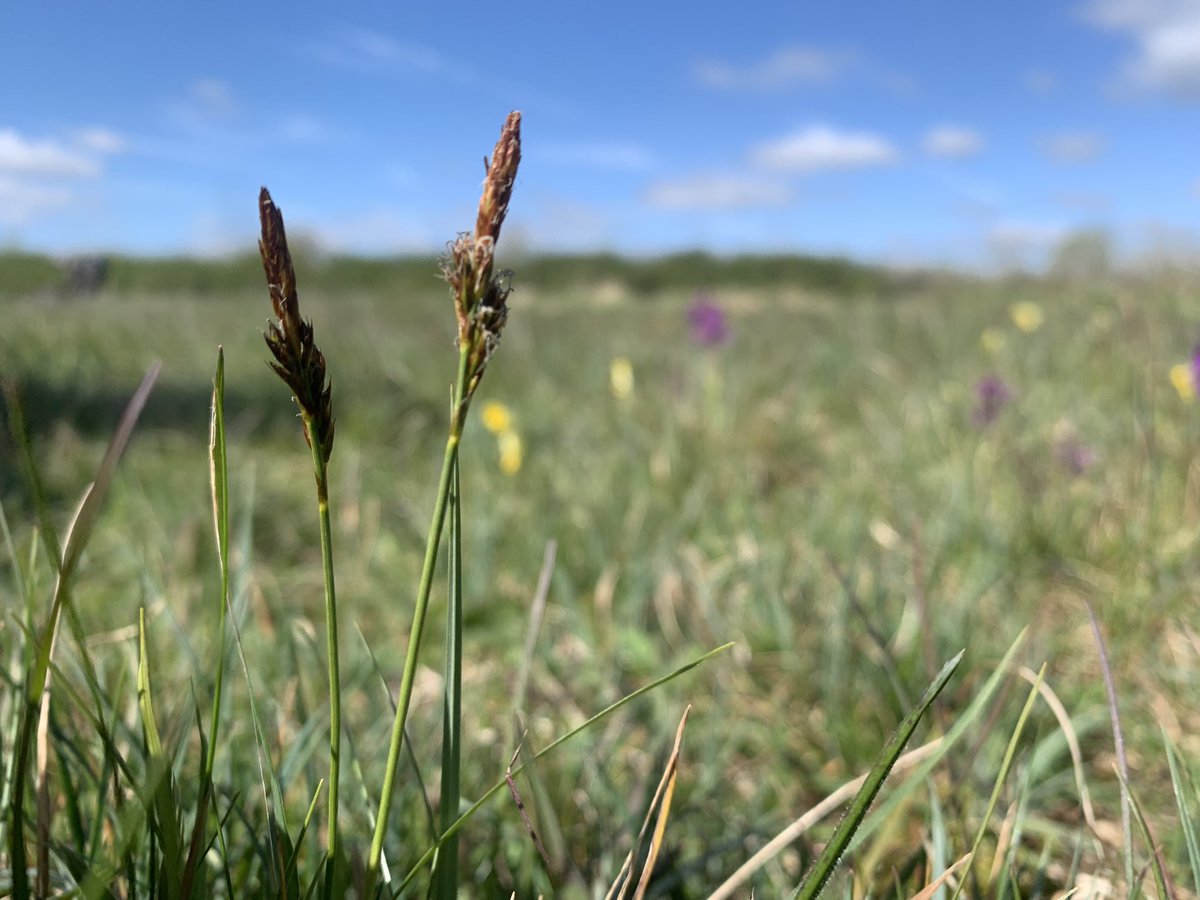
<point>717,191</point>
<point>786,68</point>
<point>598,155</point>
<point>21,201</point>
<point>822,147</point>
<point>1073,147</point>
<point>22,155</point>
<point>1166,34</point>
<point>952,141</point>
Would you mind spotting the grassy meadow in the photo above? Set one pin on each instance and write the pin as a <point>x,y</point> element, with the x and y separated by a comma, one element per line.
<point>866,475</point>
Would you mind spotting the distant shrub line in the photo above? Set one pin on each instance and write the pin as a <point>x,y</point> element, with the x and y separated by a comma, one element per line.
<point>27,273</point>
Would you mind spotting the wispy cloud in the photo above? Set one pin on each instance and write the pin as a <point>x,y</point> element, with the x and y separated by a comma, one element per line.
<point>1039,81</point>
<point>1072,147</point>
<point>952,141</point>
<point>25,156</point>
<point>823,147</point>
<point>100,140</point>
<point>354,47</point>
<point>213,97</point>
<point>717,191</point>
<point>789,67</point>
<point>596,155</point>
<point>22,201</point>
<point>1166,34</point>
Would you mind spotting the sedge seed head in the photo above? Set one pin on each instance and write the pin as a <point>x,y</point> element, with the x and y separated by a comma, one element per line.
<point>298,360</point>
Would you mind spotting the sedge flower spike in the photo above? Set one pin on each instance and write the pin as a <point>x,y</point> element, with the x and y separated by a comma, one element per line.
<point>481,295</point>
<point>298,360</point>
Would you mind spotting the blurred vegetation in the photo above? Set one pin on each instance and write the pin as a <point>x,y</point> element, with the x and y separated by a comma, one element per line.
<point>819,490</point>
<point>23,274</point>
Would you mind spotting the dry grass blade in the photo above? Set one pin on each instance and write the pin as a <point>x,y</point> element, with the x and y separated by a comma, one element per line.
<point>660,805</point>
<point>43,796</point>
<point>1068,730</point>
<point>516,795</point>
<point>664,810</point>
<point>536,613</point>
<point>934,886</point>
<point>812,817</point>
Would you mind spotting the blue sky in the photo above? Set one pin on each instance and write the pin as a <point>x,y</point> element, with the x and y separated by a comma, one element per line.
<point>907,132</point>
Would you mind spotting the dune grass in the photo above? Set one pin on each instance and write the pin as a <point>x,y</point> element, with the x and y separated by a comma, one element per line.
<point>850,488</point>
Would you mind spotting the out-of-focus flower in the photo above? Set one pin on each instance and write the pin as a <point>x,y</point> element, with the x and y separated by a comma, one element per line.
<point>992,340</point>
<point>1196,365</point>
<point>1027,316</point>
<point>991,396</point>
<point>620,378</point>
<point>1072,453</point>
<point>511,452</point>
<point>1075,456</point>
<point>708,322</point>
<point>1184,380</point>
<point>497,418</point>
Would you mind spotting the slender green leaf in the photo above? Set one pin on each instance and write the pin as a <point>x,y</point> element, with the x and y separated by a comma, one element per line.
<point>166,814</point>
<point>1181,802</point>
<point>823,868</point>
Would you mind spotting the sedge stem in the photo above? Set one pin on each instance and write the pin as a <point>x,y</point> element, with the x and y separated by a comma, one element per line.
<point>458,417</point>
<point>331,639</point>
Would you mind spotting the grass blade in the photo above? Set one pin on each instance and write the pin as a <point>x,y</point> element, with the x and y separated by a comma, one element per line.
<point>550,748</point>
<point>1005,764</point>
<point>166,813</point>
<point>823,868</point>
<point>1118,743</point>
<point>1185,813</point>
<point>1162,881</point>
<point>219,483</point>
<point>78,534</point>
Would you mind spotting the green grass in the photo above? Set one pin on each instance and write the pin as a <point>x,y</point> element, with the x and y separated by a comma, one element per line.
<point>815,491</point>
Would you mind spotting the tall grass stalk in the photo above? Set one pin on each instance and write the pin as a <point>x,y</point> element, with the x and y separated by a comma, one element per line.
<point>301,365</point>
<point>480,299</point>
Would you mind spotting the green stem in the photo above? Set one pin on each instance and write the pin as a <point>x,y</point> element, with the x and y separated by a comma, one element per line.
<point>331,638</point>
<point>446,869</point>
<point>458,417</point>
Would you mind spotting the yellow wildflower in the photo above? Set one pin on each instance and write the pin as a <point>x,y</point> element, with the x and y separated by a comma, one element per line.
<point>1027,316</point>
<point>1185,384</point>
<point>511,453</point>
<point>497,418</point>
<point>992,340</point>
<point>620,377</point>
